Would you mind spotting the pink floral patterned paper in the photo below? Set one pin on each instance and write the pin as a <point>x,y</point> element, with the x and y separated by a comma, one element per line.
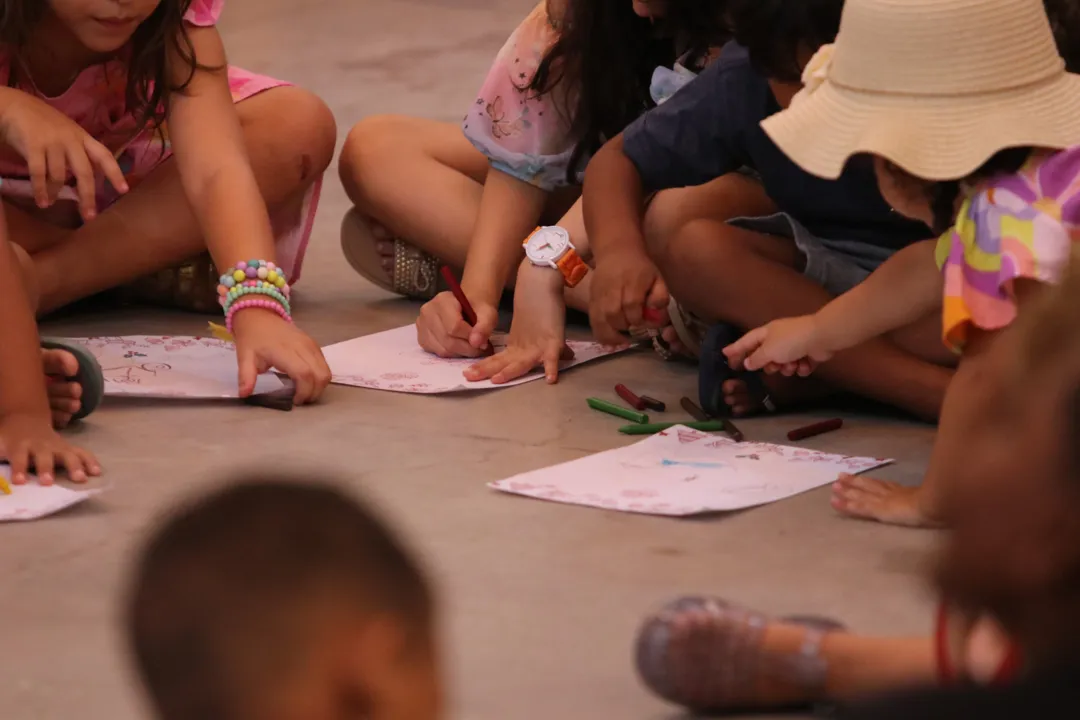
<point>683,472</point>
<point>393,361</point>
<point>164,366</point>
<point>33,502</point>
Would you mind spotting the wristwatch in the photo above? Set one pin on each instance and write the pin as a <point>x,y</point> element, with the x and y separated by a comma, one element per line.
<point>551,247</point>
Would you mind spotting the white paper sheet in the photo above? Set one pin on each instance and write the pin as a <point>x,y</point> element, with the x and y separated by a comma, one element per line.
<point>32,501</point>
<point>165,366</point>
<point>682,472</point>
<point>392,360</point>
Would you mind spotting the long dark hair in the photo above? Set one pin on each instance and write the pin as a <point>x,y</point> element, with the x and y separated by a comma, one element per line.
<point>604,59</point>
<point>148,75</point>
<point>943,195</point>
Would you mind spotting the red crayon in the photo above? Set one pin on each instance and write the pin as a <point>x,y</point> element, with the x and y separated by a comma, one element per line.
<point>652,315</point>
<point>631,399</point>
<point>819,428</point>
<point>467,311</point>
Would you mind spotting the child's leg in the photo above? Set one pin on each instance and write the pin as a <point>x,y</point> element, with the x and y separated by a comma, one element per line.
<point>421,180</point>
<point>728,274</point>
<point>290,140</point>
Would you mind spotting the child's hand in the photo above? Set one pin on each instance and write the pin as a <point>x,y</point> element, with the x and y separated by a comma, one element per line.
<point>54,146</point>
<point>791,346</point>
<point>537,333</point>
<point>264,341</point>
<point>442,331</point>
<point>27,440</point>
<point>622,288</point>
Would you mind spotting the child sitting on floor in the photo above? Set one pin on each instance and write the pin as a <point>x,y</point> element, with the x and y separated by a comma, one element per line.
<point>984,153</point>
<point>1007,639</point>
<point>276,600</point>
<point>571,75</point>
<point>96,98</point>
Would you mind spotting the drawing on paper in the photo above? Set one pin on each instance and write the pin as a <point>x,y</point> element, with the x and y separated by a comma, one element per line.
<point>167,366</point>
<point>392,360</point>
<point>674,474</point>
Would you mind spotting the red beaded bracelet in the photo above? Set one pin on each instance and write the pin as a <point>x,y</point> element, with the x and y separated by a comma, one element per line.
<point>249,302</point>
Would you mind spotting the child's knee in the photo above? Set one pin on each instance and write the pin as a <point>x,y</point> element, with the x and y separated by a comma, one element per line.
<point>304,131</point>
<point>704,243</point>
<point>369,144</point>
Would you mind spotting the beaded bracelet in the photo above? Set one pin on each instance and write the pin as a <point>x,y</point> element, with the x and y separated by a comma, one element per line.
<point>255,303</point>
<point>254,277</point>
<point>253,287</point>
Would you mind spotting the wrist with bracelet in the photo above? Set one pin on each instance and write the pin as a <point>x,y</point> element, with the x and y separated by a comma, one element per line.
<point>254,284</point>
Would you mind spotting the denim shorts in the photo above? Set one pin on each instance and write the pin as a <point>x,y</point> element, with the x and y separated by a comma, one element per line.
<point>836,265</point>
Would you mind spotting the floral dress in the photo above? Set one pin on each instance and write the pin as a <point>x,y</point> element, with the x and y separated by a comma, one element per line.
<point>528,136</point>
<point>95,101</point>
<point>1011,227</point>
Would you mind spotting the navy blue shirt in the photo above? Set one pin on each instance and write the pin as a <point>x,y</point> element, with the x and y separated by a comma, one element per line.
<point>713,126</point>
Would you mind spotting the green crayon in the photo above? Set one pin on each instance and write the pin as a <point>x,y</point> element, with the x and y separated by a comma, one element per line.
<point>617,410</point>
<point>643,429</point>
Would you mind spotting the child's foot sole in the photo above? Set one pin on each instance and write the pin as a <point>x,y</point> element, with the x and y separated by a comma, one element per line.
<point>880,500</point>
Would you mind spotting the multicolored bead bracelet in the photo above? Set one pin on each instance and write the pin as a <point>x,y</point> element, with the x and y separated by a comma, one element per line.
<point>254,278</point>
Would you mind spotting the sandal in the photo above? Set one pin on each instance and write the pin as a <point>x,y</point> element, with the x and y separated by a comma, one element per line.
<point>714,371</point>
<point>416,273</point>
<point>191,286</point>
<point>89,376</point>
<point>690,330</point>
<point>706,655</point>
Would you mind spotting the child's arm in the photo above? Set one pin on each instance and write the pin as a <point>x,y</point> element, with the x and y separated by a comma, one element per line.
<point>26,431</point>
<point>509,210</point>
<point>208,145</point>
<point>905,289</point>
<point>694,137</point>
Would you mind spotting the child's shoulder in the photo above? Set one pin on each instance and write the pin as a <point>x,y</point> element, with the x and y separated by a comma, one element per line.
<point>204,13</point>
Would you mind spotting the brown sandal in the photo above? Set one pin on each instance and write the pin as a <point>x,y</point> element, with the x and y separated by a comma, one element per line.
<point>688,327</point>
<point>416,273</point>
<point>191,286</point>
<point>705,654</point>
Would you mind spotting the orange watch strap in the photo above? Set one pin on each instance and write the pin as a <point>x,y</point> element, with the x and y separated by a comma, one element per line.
<point>572,267</point>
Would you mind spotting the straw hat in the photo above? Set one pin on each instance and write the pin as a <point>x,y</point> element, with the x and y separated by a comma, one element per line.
<point>935,86</point>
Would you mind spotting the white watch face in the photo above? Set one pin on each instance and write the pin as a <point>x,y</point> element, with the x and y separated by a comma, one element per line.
<point>547,245</point>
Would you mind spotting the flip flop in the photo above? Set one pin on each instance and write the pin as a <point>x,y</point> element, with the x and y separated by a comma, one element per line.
<point>706,654</point>
<point>89,376</point>
<point>714,371</point>
<point>416,273</point>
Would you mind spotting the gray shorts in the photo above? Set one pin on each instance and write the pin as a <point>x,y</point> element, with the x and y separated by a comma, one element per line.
<point>836,265</point>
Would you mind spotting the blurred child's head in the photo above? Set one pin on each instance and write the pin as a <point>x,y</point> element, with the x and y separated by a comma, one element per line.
<point>604,58</point>
<point>1014,505</point>
<point>782,35</point>
<point>943,93</point>
<point>147,31</point>
<point>281,601</point>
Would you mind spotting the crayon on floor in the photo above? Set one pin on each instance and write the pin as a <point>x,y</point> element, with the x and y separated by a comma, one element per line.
<point>819,428</point>
<point>653,428</point>
<point>628,395</point>
<point>731,429</point>
<point>653,404</point>
<point>695,411</point>
<point>618,411</point>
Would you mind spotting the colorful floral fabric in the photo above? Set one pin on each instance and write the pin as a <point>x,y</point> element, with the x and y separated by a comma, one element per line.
<point>1013,226</point>
<point>95,101</point>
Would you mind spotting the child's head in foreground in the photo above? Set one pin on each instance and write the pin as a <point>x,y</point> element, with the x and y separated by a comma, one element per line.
<point>282,601</point>
<point>1014,507</point>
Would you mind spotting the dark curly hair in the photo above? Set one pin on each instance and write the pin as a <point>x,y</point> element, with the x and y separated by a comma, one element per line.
<point>607,54</point>
<point>775,32</point>
<point>148,80</point>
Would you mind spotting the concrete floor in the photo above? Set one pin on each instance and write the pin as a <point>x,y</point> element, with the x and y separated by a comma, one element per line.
<point>541,601</point>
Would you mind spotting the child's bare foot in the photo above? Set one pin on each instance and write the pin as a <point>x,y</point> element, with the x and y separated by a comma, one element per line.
<point>782,392</point>
<point>881,500</point>
<point>64,395</point>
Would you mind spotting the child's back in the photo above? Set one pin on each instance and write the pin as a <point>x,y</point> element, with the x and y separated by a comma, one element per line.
<point>273,600</point>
